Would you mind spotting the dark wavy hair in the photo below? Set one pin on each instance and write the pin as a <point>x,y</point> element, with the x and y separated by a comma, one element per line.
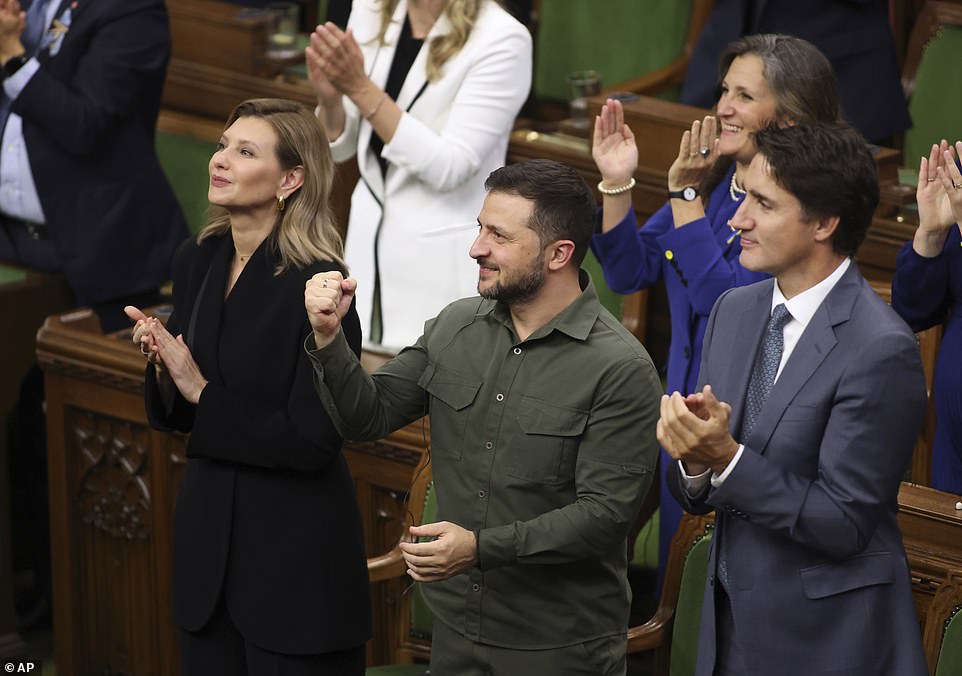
<point>564,206</point>
<point>829,169</point>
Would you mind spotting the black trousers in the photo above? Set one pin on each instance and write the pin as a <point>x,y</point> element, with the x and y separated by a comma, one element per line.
<point>220,649</point>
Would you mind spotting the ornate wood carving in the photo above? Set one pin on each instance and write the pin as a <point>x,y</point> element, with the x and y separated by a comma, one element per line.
<point>113,495</point>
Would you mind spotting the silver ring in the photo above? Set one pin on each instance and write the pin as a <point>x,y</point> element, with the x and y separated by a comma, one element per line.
<point>324,283</point>
<point>704,152</point>
<point>930,180</point>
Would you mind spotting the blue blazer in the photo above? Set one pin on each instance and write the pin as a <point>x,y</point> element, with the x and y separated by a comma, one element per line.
<point>819,582</point>
<point>926,292</point>
<point>89,115</point>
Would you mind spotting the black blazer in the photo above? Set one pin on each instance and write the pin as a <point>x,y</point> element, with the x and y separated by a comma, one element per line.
<point>853,34</point>
<point>266,513</point>
<point>89,115</point>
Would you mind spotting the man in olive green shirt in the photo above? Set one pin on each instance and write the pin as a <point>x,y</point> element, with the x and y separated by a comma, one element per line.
<point>543,411</point>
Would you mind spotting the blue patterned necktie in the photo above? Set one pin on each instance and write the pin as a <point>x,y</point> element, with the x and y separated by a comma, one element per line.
<point>35,27</point>
<point>763,377</point>
<point>766,366</point>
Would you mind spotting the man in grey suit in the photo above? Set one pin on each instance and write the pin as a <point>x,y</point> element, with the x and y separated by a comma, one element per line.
<point>812,397</point>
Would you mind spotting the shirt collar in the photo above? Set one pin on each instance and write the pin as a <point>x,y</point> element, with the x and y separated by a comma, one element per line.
<point>803,306</point>
<point>576,320</point>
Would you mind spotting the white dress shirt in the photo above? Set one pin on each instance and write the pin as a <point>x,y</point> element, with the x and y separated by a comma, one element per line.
<point>18,192</point>
<point>801,308</point>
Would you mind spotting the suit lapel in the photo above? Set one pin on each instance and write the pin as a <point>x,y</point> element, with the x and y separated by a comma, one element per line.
<point>381,58</point>
<point>750,324</point>
<point>210,304</point>
<point>814,345</point>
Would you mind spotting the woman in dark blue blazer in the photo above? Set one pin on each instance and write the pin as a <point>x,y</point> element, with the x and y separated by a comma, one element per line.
<point>688,243</point>
<point>269,567</point>
<point>927,290</point>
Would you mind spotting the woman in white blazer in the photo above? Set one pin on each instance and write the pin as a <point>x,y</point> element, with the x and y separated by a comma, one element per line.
<point>428,124</point>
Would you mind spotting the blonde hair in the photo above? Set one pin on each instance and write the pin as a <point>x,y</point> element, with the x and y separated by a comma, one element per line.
<point>304,232</point>
<point>460,13</point>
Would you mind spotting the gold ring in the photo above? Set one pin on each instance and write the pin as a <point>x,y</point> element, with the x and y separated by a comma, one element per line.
<point>930,180</point>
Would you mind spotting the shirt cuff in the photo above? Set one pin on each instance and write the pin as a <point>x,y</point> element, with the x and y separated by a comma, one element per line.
<point>693,485</point>
<point>14,84</point>
<point>718,479</point>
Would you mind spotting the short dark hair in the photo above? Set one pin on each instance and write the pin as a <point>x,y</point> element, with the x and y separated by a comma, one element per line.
<point>564,206</point>
<point>828,167</point>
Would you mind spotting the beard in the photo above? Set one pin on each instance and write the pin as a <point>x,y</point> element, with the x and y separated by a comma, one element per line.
<point>526,286</point>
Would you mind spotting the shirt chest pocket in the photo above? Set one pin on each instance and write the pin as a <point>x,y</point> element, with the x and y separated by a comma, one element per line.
<point>546,451</point>
<point>451,398</point>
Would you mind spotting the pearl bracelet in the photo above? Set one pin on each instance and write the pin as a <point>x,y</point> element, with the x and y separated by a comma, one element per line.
<point>616,191</point>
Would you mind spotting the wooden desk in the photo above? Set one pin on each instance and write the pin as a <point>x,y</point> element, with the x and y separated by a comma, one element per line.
<point>113,483</point>
<point>932,533</point>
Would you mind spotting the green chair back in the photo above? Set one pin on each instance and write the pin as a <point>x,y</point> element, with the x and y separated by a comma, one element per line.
<point>684,636</point>
<point>937,99</point>
<point>421,617</point>
<point>645,551</point>
<point>621,39</point>
<point>950,656</point>
<point>184,159</point>
<point>9,274</point>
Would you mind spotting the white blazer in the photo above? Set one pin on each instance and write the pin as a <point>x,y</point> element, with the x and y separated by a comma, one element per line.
<point>413,228</point>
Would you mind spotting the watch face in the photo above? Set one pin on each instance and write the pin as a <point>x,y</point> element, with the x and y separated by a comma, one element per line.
<point>689,194</point>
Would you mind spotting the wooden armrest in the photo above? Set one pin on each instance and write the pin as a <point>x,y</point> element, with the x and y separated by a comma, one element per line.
<point>652,634</point>
<point>386,566</point>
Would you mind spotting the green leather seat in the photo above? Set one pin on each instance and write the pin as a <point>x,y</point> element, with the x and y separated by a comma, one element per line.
<point>684,633</point>
<point>421,618</point>
<point>950,657</point>
<point>184,160</point>
<point>936,104</point>
<point>621,39</point>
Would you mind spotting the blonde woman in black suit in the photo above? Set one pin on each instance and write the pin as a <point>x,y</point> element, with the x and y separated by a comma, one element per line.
<point>257,586</point>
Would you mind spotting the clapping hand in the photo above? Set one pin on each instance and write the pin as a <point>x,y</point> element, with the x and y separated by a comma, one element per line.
<point>162,349</point>
<point>613,147</point>
<point>697,152</point>
<point>939,197</point>
<point>335,64</point>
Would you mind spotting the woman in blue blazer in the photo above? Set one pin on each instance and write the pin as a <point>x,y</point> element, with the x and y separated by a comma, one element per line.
<point>269,568</point>
<point>688,243</point>
<point>927,290</point>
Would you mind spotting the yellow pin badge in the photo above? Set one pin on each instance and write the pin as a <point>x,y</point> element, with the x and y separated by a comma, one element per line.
<point>58,30</point>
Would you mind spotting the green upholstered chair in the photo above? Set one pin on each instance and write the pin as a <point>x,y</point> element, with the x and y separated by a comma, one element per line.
<point>621,39</point>
<point>942,635</point>
<point>932,79</point>
<point>184,160</point>
<point>414,617</point>
<point>672,632</point>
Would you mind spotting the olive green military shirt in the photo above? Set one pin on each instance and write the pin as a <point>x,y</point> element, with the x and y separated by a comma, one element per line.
<point>544,447</point>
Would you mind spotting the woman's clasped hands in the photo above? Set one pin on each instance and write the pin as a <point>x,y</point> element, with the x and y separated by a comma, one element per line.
<point>166,352</point>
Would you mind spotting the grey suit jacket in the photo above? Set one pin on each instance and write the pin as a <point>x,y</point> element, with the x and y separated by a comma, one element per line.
<point>819,582</point>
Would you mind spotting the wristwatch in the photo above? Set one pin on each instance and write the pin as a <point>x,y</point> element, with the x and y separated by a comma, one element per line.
<point>688,193</point>
<point>13,64</point>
